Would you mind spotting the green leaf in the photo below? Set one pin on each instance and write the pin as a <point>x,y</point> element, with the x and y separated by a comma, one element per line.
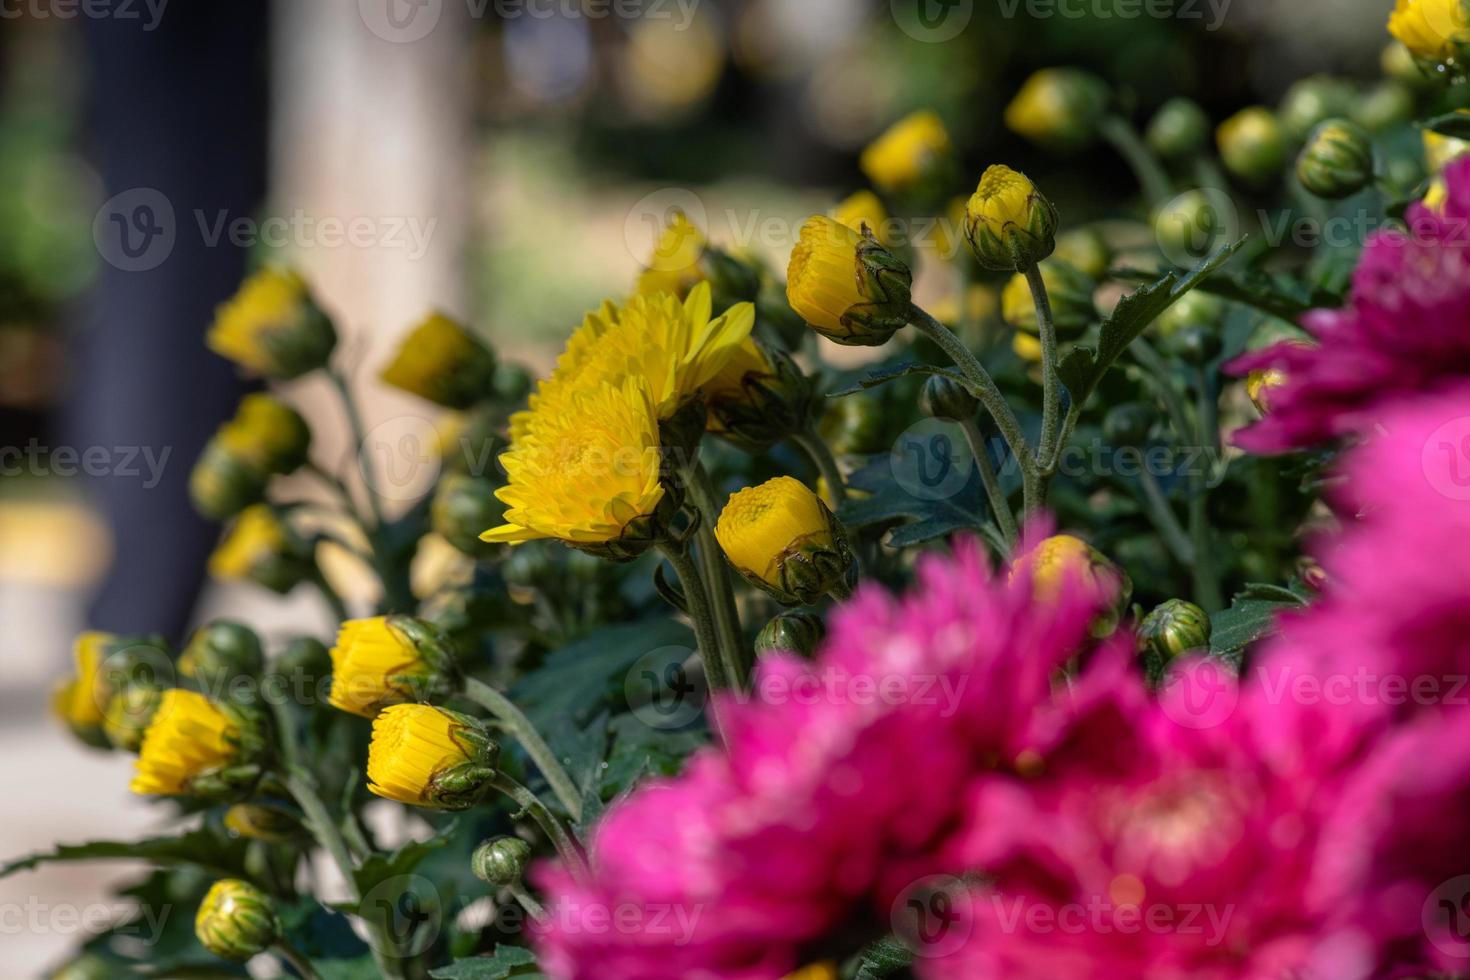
<point>506,961</point>
<point>201,848</point>
<point>377,868</point>
<point>883,959</point>
<point>1251,617</point>
<point>1082,369</point>
<point>884,375</point>
<point>328,940</point>
<point>923,518</point>
<point>1454,124</point>
<point>639,749</point>
<point>1279,295</point>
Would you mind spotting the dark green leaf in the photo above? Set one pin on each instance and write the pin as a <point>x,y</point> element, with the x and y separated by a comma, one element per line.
<point>883,959</point>
<point>1082,369</point>
<point>1251,617</point>
<point>506,961</point>
<point>328,940</point>
<point>377,868</point>
<point>924,517</point>
<point>884,375</point>
<point>1453,124</point>
<point>202,848</point>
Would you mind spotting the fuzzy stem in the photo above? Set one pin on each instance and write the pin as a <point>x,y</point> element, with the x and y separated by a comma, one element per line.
<point>359,438</point>
<point>998,503</point>
<point>717,575</point>
<point>296,958</point>
<point>816,450</point>
<point>566,845</point>
<point>1051,397</point>
<point>715,670</point>
<point>514,721</point>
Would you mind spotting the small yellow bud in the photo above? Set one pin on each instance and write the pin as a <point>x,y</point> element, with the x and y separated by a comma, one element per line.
<point>1337,161</point>
<point>784,540</point>
<point>1010,225</point>
<point>195,745</point>
<point>760,398</point>
<point>1027,347</point>
<point>387,660</point>
<point>1069,291</point>
<point>847,286</point>
<point>1059,108</point>
<point>266,434</point>
<point>236,920</point>
<point>914,155</point>
<point>259,821</point>
<point>1252,144</point>
<point>271,326</point>
<point>81,700</point>
<point>222,483</point>
<point>1062,558</point>
<point>1086,249</point>
<point>430,757</point>
<point>220,651</point>
<point>260,548</point>
<point>442,362</point>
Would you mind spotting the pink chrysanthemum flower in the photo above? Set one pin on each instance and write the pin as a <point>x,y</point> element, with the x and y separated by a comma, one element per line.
<point>1405,331</point>
<point>838,786</point>
<point>1160,841</point>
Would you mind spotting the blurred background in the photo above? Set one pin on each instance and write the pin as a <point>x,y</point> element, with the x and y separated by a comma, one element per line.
<point>507,161</point>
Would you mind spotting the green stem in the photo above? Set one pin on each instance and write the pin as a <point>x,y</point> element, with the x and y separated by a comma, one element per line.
<point>998,503</point>
<point>717,575</point>
<point>566,845</point>
<point>1051,397</point>
<point>983,387</point>
<point>715,670</point>
<point>816,450</point>
<point>532,907</point>
<point>296,958</point>
<point>1151,176</point>
<point>1206,575</point>
<point>335,484</point>
<point>1164,518</point>
<point>359,439</point>
<point>514,721</point>
<point>303,789</point>
<point>1163,383</point>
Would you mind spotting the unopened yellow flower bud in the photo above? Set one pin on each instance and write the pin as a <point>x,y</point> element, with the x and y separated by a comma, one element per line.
<point>1086,249</point>
<point>914,156</point>
<point>784,540</point>
<point>1171,630</point>
<point>1059,108</point>
<point>442,362</point>
<point>197,746</point>
<point>260,548</point>
<point>260,821</point>
<point>81,700</point>
<point>222,483</point>
<point>430,757</point>
<point>760,398</point>
<point>266,434</point>
<point>847,286</point>
<point>1258,385</point>
<point>129,713</point>
<point>1437,31</point>
<point>387,660</point>
<point>236,920</point>
<point>1337,161</point>
<point>271,326</point>
<point>1010,224</point>
<point>1178,130</point>
<point>1069,291</point>
<point>1252,144</point>
<point>1063,558</point>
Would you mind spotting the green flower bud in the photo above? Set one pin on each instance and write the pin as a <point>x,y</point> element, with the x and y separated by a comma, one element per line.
<point>1194,308</point>
<point>1086,249</point>
<point>263,822</point>
<point>1384,106</point>
<point>943,397</point>
<point>129,712</point>
<point>1171,630</point>
<point>853,424</point>
<point>1059,108</point>
<point>273,327</point>
<point>260,547</point>
<point>463,507</point>
<point>794,631</point>
<point>1069,291</point>
<point>222,484</point>
<point>1179,130</point>
<point>760,398</point>
<point>731,279</point>
<point>501,861</point>
<point>304,662</point>
<point>1337,161</point>
<point>1252,144</point>
<point>1010,224</point>
<point>1192,225</point>
<point>236,920</point>
<point>1311,101</point>
<point>220,651</point>
<point>530,566</point>
<point>442,361</point>
<point>1128,424</point>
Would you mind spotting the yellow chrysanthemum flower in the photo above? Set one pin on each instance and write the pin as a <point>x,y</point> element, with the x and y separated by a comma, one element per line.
<point>1432,29</point>
<point>441,361</point>
<point>846,287</point>
<point>909,152</point>
<point>266,434</point>
<point>271,326</point>
<point>782,538</point>
<point>426,756</point>
<point>864,208</point>
<point>586,472</point>
<point>385,660</point>
<point>1009,223</point>
<point>189,736</point>
<point>674,266</point>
